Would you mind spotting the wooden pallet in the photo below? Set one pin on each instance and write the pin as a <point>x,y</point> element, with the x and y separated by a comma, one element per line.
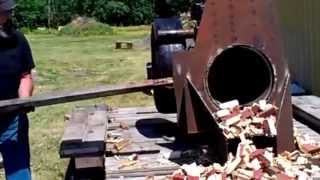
<point>154,137</point>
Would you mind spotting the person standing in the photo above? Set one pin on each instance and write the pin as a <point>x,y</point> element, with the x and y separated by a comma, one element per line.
<point>16,64</point>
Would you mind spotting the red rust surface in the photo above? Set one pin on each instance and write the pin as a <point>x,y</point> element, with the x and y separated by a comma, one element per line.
<point>225,24</point>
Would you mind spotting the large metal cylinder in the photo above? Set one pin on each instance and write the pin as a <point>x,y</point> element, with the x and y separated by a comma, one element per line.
<point>239,72</point>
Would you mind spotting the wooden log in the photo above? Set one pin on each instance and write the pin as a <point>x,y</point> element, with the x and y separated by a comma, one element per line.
<point>64,97</point>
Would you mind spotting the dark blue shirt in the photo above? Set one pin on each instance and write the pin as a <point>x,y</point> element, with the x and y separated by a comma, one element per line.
<point>14,61</point>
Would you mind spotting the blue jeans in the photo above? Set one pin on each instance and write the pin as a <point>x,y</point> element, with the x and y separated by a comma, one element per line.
<point>14,146</point>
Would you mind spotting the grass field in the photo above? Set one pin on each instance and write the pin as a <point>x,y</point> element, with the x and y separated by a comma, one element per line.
<point>64,62</point>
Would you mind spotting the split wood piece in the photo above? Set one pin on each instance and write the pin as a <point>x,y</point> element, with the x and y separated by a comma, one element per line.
<point>229,105</point>
<point>310,148</point>
<point>122,144</point>
<point>268,112</point>
<point>134,148</point>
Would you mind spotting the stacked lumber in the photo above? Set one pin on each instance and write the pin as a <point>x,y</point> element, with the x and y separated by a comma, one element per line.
<point>258,119</point>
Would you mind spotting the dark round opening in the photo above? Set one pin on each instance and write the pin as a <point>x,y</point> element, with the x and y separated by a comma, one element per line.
<point>240,72</point>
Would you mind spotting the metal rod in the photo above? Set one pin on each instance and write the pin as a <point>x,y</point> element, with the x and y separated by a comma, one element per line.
<point>184,33</point>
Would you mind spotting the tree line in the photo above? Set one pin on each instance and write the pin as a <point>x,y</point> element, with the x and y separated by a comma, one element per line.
<point>53,13</point>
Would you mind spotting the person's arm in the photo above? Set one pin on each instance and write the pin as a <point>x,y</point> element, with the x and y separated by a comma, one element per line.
<point>26,85</point>
<point>27,64</point>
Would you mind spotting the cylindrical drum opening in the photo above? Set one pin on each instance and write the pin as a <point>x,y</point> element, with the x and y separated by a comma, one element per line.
<point>240,72</point>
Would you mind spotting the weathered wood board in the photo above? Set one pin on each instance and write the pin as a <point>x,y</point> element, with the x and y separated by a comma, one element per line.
<point>70,96</point>
<point>153,138</point>
<point>170,154</point>
<point>85,132</point>
<point>307,110</point>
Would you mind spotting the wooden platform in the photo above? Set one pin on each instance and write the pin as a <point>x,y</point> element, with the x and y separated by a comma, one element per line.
<point>154,137</point>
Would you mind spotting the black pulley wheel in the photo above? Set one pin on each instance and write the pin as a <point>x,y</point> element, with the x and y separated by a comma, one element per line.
<point>162,57</point>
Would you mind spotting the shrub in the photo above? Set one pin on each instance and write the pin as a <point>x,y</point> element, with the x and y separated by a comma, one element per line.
<point>83,26</point>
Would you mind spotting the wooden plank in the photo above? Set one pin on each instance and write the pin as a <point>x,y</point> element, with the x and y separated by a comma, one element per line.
<point>64,97</point>
<point>85,132</point>
<point>133,110</point>
<point>131,117</point>
<point>75,127</point>
<point>96,127</point>
<point>134,148</point>
<point>88,149</point>
<point>147,133</point>
<point>141,174</point>
<point>89,162</point>
<point>307,110</point>
<point>304,129</point>
<point>147,163</point>
<point>134,121</point>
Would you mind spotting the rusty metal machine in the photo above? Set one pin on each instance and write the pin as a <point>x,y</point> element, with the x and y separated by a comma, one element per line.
<point>238,54</point>
<point>234,52</point>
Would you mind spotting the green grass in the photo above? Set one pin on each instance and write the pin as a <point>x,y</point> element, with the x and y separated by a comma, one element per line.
<point>64,63</point>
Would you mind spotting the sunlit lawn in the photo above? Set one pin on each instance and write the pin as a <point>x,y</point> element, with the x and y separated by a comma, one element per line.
<point>64,62</point>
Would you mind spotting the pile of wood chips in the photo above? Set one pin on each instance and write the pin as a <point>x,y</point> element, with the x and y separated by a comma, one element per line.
<point>251,163</point>
<point>256,120</point>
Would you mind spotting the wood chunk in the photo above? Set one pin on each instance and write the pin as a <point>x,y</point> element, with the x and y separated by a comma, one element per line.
<point>273,170</point>
<point>229,105</point>
<point>266,129</point>
<point>258,174</point>
<point>247,113</point>
<point>272,126</point>
<point>283,176</point>
<point>122,144</point>
<point>232,115</point>
<point>193,177</point>
<point>255,108</point>
<point>222,113</point>
<point>124,125</point>
<point>310,148</point>
<point>256,153</point>
<point>294,155</point>
<point>233,120</point>
<point>127,163</point>
<point>178,177</point>
<point>255,164</point>
<point>238,175</point>
<point>247,173</point>
<point>266,113</point>
<point>233,165</point>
